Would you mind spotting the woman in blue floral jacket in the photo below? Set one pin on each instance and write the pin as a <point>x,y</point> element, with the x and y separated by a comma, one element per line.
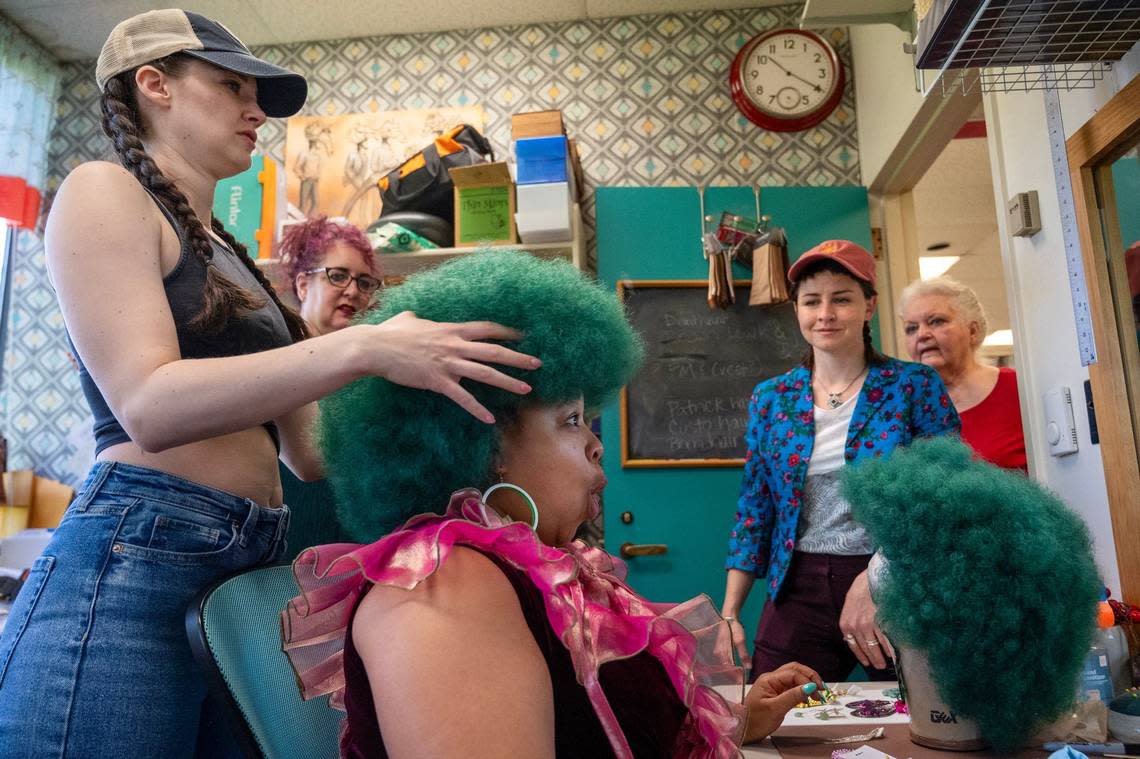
<point>846,403</point>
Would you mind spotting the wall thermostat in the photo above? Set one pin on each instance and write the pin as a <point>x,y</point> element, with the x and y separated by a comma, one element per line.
<point>1060,426</point>
<point>1024,214</point>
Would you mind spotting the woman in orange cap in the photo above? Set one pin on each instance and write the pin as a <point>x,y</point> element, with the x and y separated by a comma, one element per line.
<point>846,403</point>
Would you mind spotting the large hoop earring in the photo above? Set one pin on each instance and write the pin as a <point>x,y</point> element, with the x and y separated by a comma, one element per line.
<point>517,489</point>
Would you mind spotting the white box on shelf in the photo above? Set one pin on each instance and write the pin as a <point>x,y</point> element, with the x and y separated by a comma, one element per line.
<point>19,551</point>
<point>543,212</point>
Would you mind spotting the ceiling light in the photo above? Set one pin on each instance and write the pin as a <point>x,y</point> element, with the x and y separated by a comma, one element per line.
<point>935,266</point>
<point>999,337</point>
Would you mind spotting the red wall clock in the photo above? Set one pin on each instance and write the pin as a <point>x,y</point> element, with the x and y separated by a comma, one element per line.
<point>786,80</point>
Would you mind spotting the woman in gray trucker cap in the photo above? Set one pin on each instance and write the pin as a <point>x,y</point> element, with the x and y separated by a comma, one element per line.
<point>199,379</point>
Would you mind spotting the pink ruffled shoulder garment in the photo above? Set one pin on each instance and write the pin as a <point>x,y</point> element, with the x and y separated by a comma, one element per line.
<point>591,610</point>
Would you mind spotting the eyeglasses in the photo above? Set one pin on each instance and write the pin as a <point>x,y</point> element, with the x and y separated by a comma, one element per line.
<point>340,277</point>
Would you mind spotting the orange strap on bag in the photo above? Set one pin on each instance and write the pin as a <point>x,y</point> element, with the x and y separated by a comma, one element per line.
<point>421,183</point>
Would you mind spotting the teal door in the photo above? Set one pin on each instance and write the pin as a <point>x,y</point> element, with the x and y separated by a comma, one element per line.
<point>654,233</point>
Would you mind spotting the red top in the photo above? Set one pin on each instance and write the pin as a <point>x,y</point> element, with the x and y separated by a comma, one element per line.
<point>993,427</point>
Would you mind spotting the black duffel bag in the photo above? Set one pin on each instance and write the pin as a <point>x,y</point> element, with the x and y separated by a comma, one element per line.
<point>421,183</point>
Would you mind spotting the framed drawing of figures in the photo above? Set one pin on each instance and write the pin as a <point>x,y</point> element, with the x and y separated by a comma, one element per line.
<point>332,163</point>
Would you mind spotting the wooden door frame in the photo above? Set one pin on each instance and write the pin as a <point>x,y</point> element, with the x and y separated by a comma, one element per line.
<point>933,127</point>
<point>1092,149</point>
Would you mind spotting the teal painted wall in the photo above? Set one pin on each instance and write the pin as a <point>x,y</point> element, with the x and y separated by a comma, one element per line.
<point>654,233</point>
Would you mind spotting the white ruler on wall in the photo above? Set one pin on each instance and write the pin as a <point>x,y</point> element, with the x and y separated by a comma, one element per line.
<point>1077,285</point>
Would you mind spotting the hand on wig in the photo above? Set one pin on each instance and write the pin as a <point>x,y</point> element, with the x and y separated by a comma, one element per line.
<point>774,694</point>
<point>435,356</point>
<point>393,448</point>
<point>857,623</point>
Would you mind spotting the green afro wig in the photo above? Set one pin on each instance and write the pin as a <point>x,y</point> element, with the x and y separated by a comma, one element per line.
<point>392,451</point>
<point>990,575</point>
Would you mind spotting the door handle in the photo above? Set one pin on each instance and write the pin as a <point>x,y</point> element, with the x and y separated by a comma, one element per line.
<point>629,550</point>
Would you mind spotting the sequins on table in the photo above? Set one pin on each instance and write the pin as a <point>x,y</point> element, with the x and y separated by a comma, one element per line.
<point>821,697</point>
<point>871,708</point>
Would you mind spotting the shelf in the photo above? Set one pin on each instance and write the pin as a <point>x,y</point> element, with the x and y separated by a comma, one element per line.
<point>403,264</point>
<point>819,14</point>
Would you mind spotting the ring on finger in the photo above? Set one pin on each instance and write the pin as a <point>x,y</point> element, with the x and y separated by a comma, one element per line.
<point>849,638</point>
<point>871,642</point>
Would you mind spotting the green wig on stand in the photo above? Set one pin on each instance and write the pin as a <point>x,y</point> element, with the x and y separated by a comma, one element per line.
<point>392,452</point>
<point>989,575</point>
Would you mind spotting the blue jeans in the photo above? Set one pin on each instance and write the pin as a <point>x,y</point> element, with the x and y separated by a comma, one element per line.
<point>94,659</point>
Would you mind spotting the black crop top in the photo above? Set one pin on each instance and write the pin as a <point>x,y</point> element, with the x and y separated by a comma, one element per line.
<point>253,332</point>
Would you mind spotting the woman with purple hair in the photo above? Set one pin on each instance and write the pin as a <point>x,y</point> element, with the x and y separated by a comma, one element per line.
<point>335,275</point>
<point>332,270</point>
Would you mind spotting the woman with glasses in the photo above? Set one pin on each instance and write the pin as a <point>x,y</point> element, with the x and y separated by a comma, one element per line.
<point>333,272</point>
<point>334,275</point>
<point>199,381</point>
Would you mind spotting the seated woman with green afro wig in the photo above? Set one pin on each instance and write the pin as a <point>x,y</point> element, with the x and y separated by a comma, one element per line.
<point>475,625</point>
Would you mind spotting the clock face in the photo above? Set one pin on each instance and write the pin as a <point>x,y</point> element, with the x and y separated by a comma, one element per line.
<point>786,80</point>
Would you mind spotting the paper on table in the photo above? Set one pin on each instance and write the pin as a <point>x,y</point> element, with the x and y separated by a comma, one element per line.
<point>866,752</point>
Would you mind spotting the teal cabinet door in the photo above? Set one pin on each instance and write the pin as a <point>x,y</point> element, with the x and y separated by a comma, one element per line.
<point>655,233</point>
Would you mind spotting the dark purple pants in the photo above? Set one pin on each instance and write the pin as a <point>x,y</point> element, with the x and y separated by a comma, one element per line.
<point>802,624</point>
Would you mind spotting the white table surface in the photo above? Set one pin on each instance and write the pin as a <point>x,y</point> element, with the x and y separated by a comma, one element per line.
<point>806,717</point>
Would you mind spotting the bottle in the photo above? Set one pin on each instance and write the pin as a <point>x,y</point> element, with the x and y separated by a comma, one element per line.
<point>1105,671</point>
<point>1096,684</point>
<point>1110,636</point>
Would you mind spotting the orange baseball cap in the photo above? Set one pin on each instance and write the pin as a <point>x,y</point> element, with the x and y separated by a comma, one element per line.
<point>854,258</point>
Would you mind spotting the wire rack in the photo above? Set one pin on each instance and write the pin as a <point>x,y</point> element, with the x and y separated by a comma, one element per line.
<point>1023,45</point>
<point>1066,76</point>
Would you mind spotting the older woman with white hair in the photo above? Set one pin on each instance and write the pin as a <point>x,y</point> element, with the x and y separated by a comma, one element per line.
<point>944,326</point>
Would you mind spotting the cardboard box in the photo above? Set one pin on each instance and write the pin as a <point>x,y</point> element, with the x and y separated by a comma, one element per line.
<point>544,212</point>
<point>542,159</point>
<point>484,205</point>
<point>537,124</point>
<point>27,500</point>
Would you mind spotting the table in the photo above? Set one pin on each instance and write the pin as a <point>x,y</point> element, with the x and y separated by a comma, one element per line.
<point>802,736</point>
<point>804,743</point>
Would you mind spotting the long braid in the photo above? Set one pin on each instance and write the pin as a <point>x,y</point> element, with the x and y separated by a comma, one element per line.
<point>222,299</point>
<point>297,327</point>
<point>870,355</point>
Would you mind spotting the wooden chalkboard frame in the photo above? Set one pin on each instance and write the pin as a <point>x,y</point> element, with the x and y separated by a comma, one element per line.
<point>623,285</point>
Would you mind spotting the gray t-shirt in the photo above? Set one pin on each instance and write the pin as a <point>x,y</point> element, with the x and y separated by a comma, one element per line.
<point>825,524</point>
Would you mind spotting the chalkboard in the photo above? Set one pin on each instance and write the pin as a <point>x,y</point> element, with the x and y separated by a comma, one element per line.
<point>688,405</point>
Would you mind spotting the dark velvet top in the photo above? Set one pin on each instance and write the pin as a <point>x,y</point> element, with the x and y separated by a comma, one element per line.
<point>638,689</point>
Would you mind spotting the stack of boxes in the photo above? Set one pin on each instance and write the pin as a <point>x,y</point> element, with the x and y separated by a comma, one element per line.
<point>546,186</point>
<point>531,201</point>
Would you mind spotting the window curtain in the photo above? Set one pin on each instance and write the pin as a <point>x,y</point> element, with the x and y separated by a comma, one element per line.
<point>29,86</point>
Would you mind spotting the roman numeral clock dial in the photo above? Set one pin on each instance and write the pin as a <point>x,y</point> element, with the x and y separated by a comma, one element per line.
<point>786,80</point>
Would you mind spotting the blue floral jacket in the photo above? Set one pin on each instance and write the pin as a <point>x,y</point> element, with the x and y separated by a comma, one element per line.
<point>899,401</point>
